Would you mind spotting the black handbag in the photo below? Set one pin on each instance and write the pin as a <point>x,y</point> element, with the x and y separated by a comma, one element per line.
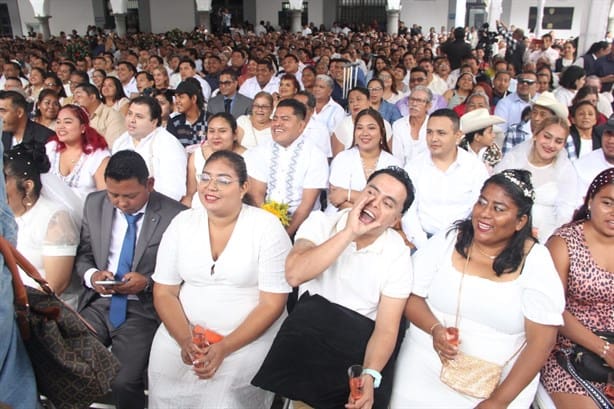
<point>72,367</point>
<point>589,365</point>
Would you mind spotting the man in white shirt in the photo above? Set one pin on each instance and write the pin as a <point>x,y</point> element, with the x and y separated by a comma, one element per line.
<point>447,178</point>
<point>435,83</point>
<point>315,131</point>
<point>290,169</point>
<point>126,72</point>
<point>590,165</point>
<point>409,132</point>
<point>263,81</point>
<point>327,110</point>
<point>187,69</point>
<point>290,65</point>
<point>107,121</point>
<point>165,157</point>
<point>545,51</point>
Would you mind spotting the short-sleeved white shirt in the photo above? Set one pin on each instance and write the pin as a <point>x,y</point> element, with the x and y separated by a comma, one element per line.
<point>165,157</point>
<point>251,87</point>
<point>404,147</point>
<point>330,115</point>
<point>358,278</point>
<point>444,197</point>
<point>344,132</point>
<point>587,168</point>
<point>346,170</point>
<point>287,171</point>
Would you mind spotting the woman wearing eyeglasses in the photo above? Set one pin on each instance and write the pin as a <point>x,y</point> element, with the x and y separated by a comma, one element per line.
<point>391,94</point>
<point>221,135</point>
<point>228,278</point>
<point>256,127</point>
<point>376,92</point>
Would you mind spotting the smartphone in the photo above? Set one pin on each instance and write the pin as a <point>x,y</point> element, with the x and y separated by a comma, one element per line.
<point>108,282</point>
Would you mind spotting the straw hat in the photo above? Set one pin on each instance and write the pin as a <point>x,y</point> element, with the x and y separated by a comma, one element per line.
<point>477,120</point>
<point>548,100</point>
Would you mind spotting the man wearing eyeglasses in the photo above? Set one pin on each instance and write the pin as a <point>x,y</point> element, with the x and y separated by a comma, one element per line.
<point>419,77</point>
<point>409,132</point>
<point>510,108</point>
<point>228,99</point>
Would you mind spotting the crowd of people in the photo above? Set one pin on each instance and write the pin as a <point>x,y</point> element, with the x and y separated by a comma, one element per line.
<point>458,193</point>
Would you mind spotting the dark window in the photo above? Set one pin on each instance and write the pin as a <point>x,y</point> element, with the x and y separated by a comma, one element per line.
<point>362,12</point>
<point>555,18</point>
<point>5,21</point>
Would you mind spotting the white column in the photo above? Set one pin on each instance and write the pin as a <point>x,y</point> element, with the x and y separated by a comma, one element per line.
<point>203,8</point>
<point>495,9</point>
<point>540,18</point>
<point>41,13</point>
<point>392,26</point>
<point>461,10</point>
<point>595,24</point>
<point>296,8</point>
<point>120,8</point>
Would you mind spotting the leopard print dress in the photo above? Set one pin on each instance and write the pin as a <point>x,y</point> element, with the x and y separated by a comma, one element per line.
<point>589,298</point>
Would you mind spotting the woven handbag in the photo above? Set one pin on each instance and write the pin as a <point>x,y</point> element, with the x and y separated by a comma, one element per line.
<point>72,367</point>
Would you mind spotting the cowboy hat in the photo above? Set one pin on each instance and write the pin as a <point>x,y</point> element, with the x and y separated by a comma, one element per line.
<point>477,120</point>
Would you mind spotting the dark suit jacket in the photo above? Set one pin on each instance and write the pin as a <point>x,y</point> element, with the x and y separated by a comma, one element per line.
<point>93,250</point>
<point>34,133</point>
<point>242,105</point>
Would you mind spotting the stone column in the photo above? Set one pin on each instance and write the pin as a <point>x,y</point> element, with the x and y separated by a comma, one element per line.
<point>495,8</point>
<point>461,11</point>
<point>120,8</point>
<point>296,26</point>
<point>392,23</point>
<point>595,24</point>
<point>203,8</point>
<point>41,13</point>
<point>540,18</point>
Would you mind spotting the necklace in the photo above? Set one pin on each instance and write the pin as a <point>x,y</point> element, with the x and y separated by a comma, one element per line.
<point>482,252</point>
<point>368,169</point>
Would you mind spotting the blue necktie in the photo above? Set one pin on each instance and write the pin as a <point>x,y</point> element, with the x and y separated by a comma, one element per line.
<point>119,302</point>
<point>227,102</point>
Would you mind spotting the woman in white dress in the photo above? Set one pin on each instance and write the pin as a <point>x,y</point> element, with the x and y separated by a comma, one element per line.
<point>77,152</point>
<point>113,95</point>
<point>351,168</point>
<point>221,135</point>
<point>256,127</point>
<point>48,232</point>
<point>552,175</point>
<point>503,287</point>
<point>229,278</point>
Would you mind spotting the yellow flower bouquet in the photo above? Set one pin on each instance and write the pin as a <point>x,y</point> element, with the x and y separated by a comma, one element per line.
<point>280,210</point>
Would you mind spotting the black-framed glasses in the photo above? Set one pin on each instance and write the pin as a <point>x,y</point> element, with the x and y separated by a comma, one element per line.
<point>526,81</point>
<point>226,82</point>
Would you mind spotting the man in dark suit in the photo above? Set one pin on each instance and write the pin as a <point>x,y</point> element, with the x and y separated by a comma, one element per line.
<point>228,99</point>
<point>17,127</point>
<point>121,231</point>
<point>456,49</point>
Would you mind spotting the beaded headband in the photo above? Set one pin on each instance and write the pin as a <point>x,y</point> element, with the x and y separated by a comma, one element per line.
<point>527,190</point>
<point>602,179</point>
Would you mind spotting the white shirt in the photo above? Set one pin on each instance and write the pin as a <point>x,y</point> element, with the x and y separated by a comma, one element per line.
<point>251,87</point>
<point>204,85</point>
<point>555,187</point>
<point>438,85</point>
<point>330,115</point>
<point>318,134</point>
<point>551,54</point>
<point>442,197</point>
<point>165,158</point>
<point>287,171</point>
<point>587,168</point>
<point>252,136</point>
<point>346,171</point>
<point>130,87</point>
<point>344,132</point>
<point>358,278</point>
<point>404,147</point>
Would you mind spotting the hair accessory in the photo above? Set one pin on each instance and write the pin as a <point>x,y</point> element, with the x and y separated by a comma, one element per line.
<point>604,178</point>
<point>527,191</point>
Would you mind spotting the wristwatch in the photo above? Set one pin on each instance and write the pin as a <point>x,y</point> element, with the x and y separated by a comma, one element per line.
<point>149,286</point>
<point>377,377</point>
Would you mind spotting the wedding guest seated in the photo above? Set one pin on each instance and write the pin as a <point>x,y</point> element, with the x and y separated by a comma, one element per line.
<point>485,293</point>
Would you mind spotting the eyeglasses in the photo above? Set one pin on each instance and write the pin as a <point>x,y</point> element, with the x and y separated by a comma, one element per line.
<point>417,100</point>
<point>262,106</point>
<point>220,181</point>
<point>525,81</point>
<point>375,89</point>
<point>226,82</point>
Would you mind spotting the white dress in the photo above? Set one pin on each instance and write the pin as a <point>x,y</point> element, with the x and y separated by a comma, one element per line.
<point>251,135</point>
<point>491,325</point>
<point>346,171</point>
<point>47,229</point>
<point>81,179</point>
<point>252,261</point>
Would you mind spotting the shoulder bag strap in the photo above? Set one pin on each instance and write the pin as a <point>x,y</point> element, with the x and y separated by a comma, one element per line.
<point>20,296</point>
<point>562,357</point>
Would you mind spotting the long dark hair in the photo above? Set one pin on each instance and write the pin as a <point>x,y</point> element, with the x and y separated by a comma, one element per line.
<point>27,161</point>
<point>517,185</point>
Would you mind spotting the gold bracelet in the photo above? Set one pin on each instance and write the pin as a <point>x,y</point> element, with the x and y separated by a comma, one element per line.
<point>435,325</point>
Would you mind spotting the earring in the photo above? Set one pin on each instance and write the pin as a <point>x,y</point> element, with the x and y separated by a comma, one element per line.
<point>27,201</point>
<point>588,213</point>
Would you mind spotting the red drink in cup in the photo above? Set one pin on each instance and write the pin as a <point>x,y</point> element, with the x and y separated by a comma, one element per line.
<point>452,335</point>
<point>355,374</point>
